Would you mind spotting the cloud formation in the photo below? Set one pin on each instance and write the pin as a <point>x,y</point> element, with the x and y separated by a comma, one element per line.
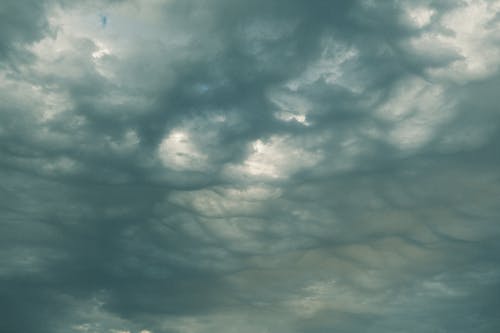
<point>249,166</point>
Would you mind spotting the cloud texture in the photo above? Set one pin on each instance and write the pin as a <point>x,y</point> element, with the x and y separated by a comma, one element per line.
<point>278,166</point>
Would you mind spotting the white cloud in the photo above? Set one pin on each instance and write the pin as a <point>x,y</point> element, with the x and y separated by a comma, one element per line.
<point>472,34</point>
<point>179,152</point>
<point>420,16</point>
<point>414,112</point>
<point>290,107</point>
<point>330,67</point>
<point>275,158</point>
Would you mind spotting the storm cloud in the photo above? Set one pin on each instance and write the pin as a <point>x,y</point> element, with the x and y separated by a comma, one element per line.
<point>277,166</point>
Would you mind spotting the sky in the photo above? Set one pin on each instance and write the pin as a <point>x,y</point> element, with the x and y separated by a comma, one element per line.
<point>265,166</point>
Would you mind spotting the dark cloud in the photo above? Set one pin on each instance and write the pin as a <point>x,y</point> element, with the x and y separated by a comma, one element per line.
<point>22,23</point>
<point>212,166</point>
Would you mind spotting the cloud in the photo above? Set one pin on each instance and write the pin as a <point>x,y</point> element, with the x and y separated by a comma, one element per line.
<point>22,23</point>
<point>254,166</point>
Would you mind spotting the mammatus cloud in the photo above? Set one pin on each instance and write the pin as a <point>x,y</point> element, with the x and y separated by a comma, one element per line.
<point>234,166</point>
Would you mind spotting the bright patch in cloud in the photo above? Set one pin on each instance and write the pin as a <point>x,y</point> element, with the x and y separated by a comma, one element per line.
<point>276,157</point>
<point>420,16</point>
<point>473,36</point>
<point>179,152</point>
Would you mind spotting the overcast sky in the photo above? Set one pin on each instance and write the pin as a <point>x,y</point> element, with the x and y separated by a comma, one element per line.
<point>260,166</point>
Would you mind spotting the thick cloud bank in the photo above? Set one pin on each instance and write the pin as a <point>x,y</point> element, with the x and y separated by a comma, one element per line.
<point>217,166</point>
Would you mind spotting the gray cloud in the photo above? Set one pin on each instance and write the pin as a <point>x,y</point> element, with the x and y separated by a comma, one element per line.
<point>22,22</point>
<point>249,166</point>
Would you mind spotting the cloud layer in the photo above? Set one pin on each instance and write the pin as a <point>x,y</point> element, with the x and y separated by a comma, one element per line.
<point>249,166</point>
